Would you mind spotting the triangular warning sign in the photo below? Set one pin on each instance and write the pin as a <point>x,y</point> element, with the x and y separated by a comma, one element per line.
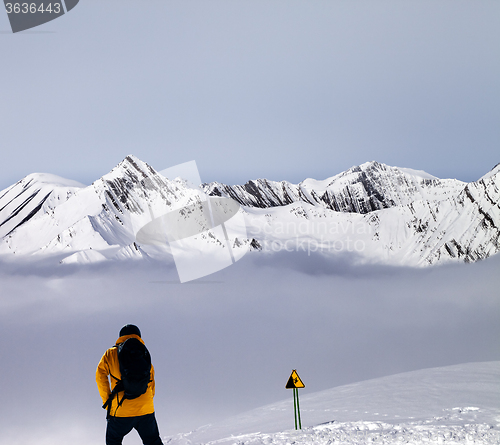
<point>294,381</point>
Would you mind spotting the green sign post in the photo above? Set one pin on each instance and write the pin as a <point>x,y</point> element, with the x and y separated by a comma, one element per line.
<point>295,383</point>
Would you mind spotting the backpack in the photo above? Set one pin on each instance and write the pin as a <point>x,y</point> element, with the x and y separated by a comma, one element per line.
<point>135,370</point>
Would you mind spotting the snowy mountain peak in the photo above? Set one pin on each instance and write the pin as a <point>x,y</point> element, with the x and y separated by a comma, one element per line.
<point>48,178</point>
<point>133,168</point>
<point>493,172</point>
<point>376,169</point>
<point>34,195</point>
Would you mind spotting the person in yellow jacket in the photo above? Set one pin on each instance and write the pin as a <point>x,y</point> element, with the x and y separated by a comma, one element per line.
<point>126,414</point>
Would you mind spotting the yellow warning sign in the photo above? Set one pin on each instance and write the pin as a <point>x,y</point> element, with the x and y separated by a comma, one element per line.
<point>294,381</point>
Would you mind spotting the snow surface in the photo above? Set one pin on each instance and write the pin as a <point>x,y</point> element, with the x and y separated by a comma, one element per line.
<point>492,172</point>
<point>51,179</point>
<point>457,404</point>
<point>419,173</point>
<point>35,195</point>
<point>84,257</point>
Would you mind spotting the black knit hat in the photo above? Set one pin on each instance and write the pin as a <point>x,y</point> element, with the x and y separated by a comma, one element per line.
<point>130,329</point>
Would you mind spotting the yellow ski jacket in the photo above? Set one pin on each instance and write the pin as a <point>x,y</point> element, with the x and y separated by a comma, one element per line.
<point>108,366</point>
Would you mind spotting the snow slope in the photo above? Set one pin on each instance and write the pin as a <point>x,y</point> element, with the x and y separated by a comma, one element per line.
<point>453,405</point>
<point>32,196</point>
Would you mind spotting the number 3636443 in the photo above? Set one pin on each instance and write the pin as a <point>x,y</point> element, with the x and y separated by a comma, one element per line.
<point>32,8</point>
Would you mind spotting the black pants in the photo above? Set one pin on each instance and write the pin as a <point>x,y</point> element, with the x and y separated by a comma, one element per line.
<point>146,426</point>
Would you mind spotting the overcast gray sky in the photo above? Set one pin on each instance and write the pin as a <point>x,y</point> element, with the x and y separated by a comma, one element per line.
<point>277,89</point>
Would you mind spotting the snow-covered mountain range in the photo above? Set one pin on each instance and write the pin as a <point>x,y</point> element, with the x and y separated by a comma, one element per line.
<point>373,212</point>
